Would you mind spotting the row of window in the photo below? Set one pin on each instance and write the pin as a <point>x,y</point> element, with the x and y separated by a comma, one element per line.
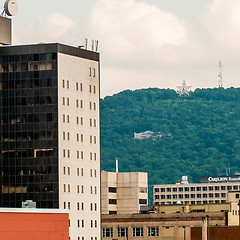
<point>194,202</point>
<point>193,189</point>
<point>92,238</point>
<point>66,119</point>
<point>79,86</point>
<point>137,232</point>
<point>81,223</point>
<point>92,139</point>
<point>67,188</point>
<point>67,152</point>
<point>181,196</point>
<point>80,206</point>
<point>79,103</point>
<point>114,190</point>
<point>66,84</point>
<point>79,120</point>
<point>67,171</point>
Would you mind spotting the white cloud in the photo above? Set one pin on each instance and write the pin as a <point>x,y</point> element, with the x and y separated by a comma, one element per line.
<point>143,46</point>
<point>52,28</point>
<point>222,20</point>
<point>131,31</point>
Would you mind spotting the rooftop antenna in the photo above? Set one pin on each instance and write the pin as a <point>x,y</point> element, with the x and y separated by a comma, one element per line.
<point>220,74</point>
<point>10,8</point>
<point>92,45</point>
<point>96,45</point>
<point>86,43</point>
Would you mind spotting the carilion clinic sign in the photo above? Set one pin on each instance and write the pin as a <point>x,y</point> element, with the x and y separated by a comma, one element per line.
<point>219,179</point>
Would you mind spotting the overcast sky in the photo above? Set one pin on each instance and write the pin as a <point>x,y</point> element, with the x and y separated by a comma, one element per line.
<point>143,43</point>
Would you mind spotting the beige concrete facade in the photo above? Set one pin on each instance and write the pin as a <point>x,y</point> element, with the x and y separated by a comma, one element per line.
<point>123,192</point>
<point>178,208</point>
<point>79,145</point>
<point>156,226</point>
<point>234,199</point>
<point>6,31</point>
<point>231,208</point>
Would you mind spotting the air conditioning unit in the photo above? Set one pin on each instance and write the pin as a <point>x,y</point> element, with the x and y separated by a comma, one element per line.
<point>29,204</point>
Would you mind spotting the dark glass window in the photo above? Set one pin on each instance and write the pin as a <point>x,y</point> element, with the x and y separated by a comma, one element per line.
<point>112,189</point>
<point>113,201</point>
<point>28,110</point>
<point>142,201</point>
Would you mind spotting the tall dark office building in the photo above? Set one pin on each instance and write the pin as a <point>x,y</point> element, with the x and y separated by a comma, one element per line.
<point>29,126</point>
<point>50,133</point>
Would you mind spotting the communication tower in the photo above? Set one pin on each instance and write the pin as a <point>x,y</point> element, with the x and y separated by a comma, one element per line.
<point>183,90</point>
<point>220,75</point>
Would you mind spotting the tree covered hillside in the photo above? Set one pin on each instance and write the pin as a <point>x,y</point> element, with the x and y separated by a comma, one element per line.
<point>205,133</point>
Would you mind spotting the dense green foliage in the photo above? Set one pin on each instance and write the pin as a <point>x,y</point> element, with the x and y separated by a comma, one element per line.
<point>205,130</point>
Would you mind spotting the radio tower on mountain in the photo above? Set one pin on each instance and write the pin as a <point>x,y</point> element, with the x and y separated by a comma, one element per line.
<point>183,90</point>
<point>220,74</point>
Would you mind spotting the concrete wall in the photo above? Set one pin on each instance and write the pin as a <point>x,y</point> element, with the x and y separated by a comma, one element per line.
<point>178,208</point>
<point>5,31</point>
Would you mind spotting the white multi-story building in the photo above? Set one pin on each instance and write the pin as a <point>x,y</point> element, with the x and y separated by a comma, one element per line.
<point>123,192</point>
<point>209,190</point>
<point>50,132</point>
<point>79,142</point>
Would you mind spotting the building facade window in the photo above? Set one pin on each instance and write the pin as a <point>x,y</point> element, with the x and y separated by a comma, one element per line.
<point>122,232</point>
<point>112,189</point>
<point>142,201</point>
<point>112,201</point>
<point>153,232</point>
<point>107,232</point>
<point>138,232</point>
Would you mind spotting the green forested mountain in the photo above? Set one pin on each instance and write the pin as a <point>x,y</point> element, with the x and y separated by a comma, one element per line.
<point>205,129</point>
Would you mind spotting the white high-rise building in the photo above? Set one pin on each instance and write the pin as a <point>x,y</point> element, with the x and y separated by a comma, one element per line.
<point>79,142</point>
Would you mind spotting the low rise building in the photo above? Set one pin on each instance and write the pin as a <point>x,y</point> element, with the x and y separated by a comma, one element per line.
<point>209,190</point>
<point>123,192</point>
<point>157,226</point>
